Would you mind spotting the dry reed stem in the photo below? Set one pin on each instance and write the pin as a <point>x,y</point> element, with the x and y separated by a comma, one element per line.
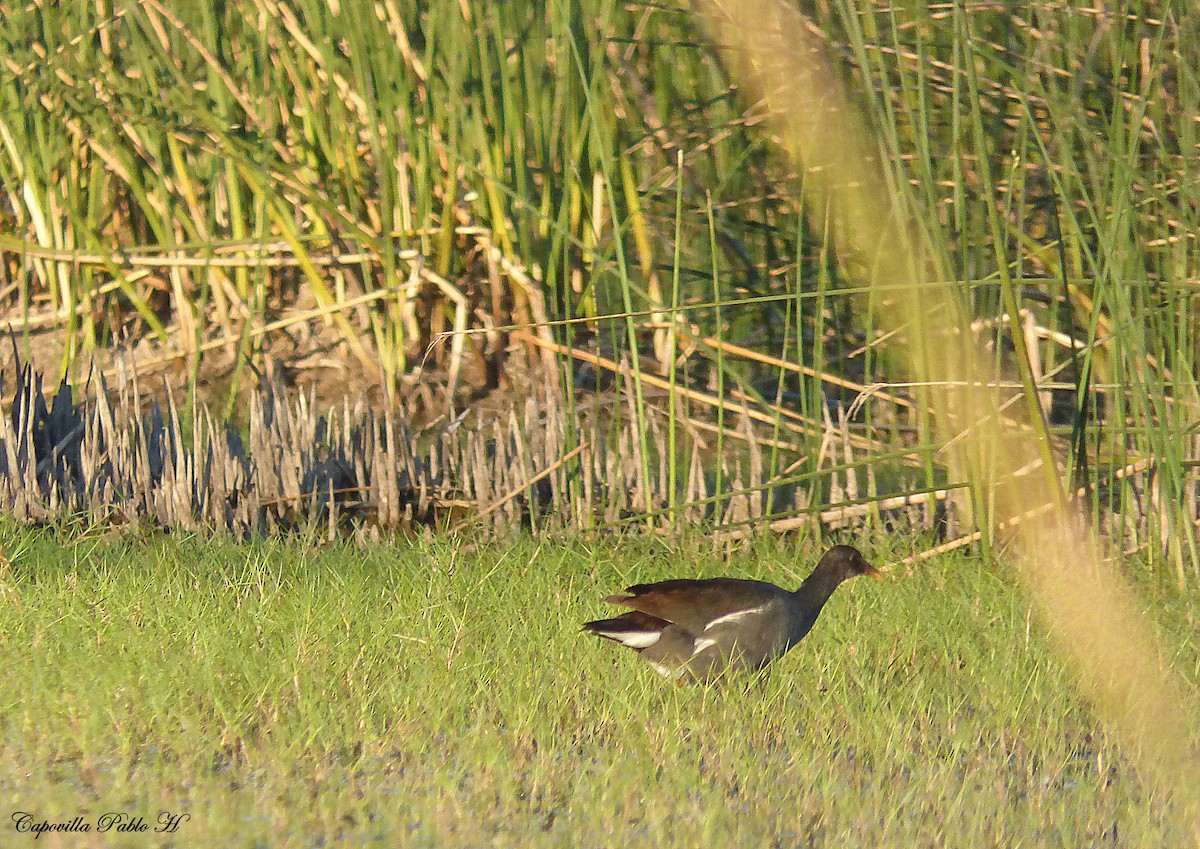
<point>517,490</point>
<point>700,424</point>
<point>255,332</point>
<point>840,514</point>
<point>659,383</point>
<point>1090,611</point>
<point>1120,474</point>
<point>766,359</point>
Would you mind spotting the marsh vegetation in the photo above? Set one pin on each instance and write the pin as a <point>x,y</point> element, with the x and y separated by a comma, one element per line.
<point>542,289</point>
<point>441,695</point>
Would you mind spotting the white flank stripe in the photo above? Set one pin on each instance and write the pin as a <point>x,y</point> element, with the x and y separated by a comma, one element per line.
<point>736,616</point>
<point>633,639</point>
<point>700,645</point>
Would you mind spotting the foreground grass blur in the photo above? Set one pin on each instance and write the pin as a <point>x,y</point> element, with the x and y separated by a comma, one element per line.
<point>438,694</point>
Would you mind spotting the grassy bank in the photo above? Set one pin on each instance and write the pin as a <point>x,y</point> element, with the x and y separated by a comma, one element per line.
<point>441,695</point>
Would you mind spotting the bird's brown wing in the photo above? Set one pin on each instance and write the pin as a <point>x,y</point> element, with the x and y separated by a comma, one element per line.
<point>696,604</point>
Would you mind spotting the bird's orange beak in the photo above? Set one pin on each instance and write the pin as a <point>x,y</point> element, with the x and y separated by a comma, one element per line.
<point>872,572</point>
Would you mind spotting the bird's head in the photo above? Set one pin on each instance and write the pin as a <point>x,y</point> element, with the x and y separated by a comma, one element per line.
<point>846,561</point>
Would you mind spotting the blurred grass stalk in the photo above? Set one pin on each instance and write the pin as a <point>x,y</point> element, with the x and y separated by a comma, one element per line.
<point>1089,609</point>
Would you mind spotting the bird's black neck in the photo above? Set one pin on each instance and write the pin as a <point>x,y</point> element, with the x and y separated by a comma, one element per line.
<point>817,588</point>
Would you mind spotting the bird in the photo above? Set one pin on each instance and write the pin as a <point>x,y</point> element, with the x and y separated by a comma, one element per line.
<point>696,629</point>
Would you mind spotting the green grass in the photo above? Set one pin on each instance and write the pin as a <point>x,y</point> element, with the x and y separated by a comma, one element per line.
<point>439,694</point>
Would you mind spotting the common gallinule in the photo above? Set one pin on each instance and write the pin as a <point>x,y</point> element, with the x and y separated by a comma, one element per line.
<point>698,628</point>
